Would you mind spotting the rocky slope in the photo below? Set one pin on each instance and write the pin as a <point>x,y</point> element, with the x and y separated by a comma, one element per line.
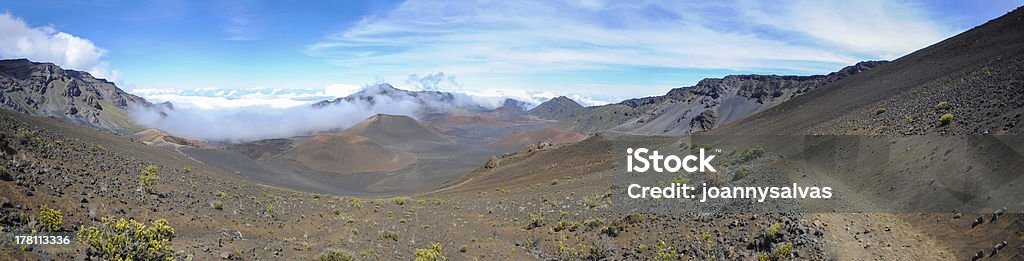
<point>975,77</point>
<point>45,89</point>
<point>711,103</point>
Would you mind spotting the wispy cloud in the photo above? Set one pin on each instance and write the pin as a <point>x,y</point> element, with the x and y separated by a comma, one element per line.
<point>47,44</point>
<point>240,23</point>
<point>503,39</point>
<point>871,29</point>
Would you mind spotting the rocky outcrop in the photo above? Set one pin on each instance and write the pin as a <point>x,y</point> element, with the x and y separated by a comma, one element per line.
<point>45,89</point>
<point>704,121</point>
<point>710,103</point>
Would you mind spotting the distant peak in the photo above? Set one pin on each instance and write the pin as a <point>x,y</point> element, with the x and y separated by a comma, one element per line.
<point>564,100</point>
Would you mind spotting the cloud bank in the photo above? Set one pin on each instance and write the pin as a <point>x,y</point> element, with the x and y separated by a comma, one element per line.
<point>239,115</point>
<point>247,123</point>
<point>46,44</point>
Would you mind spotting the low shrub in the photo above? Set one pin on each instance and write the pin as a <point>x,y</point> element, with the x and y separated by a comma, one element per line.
<point>335,255</point>
<point>665,252</point>
<point>430,254</point>
<point>945,119</point>
<point>742,172</point>
<point>399,201</point>
<point>147,178</point>
<point>388,235</point>
<point>774,229</point>
<point>536,220</point>
<point>784,251</point>
<point>121,239</point>
<point>50,219</point>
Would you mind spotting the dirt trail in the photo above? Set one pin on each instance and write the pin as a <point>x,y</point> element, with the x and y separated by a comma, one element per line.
<point>879,236</point>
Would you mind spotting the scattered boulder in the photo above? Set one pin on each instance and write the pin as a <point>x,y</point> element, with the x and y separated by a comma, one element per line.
<point>492,162</point>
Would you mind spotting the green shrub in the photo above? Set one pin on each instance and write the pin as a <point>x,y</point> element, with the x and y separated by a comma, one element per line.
<point>50,219</point>
<point>121,239</point>
<point>399,201</point>
<point>745,156</point>
<point>681,179</point>
<point>742,172</point>
<point>562,225</point>
<point>592,223</point>
<point>217,205</point>
<point>942,105</point>
<point>752,153</point>
<point>186,169</point>
<point>95,147</point>
<point>880,110</point>
<point>706,147</point>
<point>763,257</point>
<point>783,251</point>
<point>613,229</point>
<point>147,178</point>
<point>388,235</point>
<point>945,119</point>
<point>355,202</point>
<point>463,249</point>
<point>335,255</point>
<point>634,218</point>
<point>26,136</point>
<point>774,229</point>
<point>665,252</point>
<point>536,220</point>
<point>430,254</point>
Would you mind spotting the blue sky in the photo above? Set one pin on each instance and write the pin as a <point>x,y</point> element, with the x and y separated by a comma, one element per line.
<point>599,50</point>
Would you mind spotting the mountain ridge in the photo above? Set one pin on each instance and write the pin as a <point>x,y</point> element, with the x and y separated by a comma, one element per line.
<point>710,103</point>
<point>46,89</point>
<point>968,72</point>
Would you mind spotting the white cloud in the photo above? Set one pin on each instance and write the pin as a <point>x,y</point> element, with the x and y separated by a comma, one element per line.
<point>341,89</point>
<point>215,98</point>
<point>503,44</point>
<point>234,115</point>
<point>256,121</point>
<point>875,28</point>
<point>46,44</point>
<point>485,37</point>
